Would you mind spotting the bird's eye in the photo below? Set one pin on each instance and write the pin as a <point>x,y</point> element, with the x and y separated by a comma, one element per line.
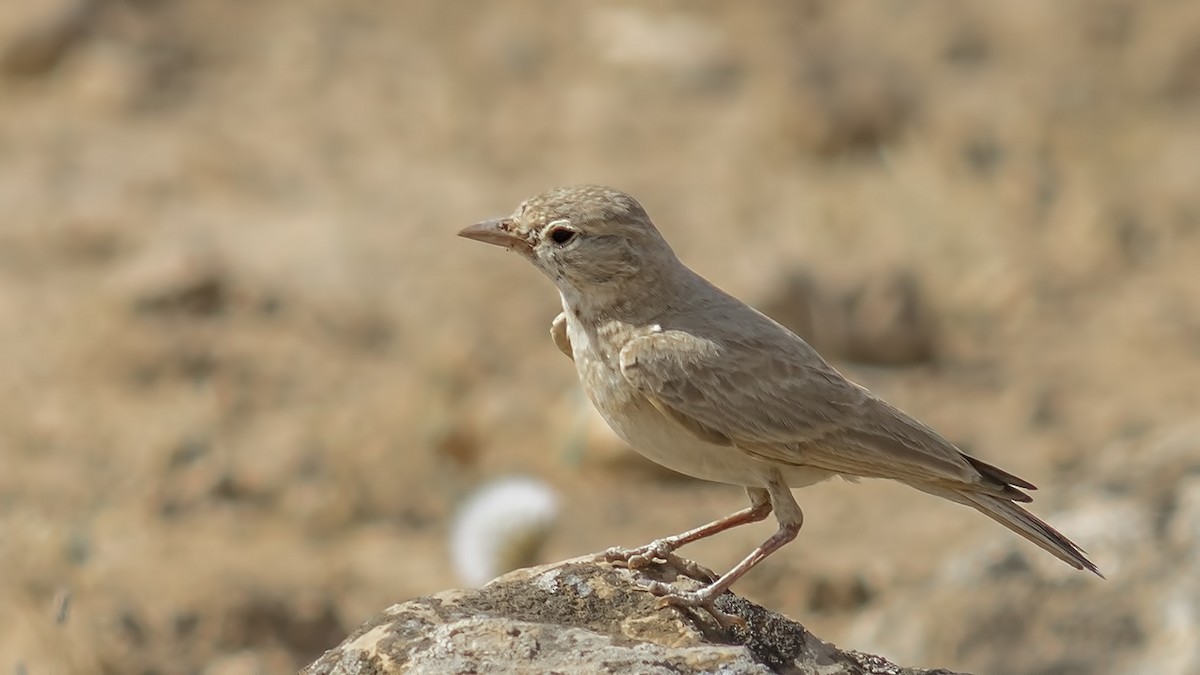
<point>561,235</point>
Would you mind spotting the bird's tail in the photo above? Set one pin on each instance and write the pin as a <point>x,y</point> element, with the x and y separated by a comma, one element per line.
<point>1024,523</point>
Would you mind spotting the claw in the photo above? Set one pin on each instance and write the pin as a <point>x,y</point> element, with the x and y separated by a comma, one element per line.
<point>658,550</point>
<point>691,569</point>
<point>640,556</point>
<point>702,599</point>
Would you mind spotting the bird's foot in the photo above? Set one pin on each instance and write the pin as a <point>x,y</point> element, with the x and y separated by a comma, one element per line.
<point>703,599</point>
<point>659,549</point>
<point>641,556</point>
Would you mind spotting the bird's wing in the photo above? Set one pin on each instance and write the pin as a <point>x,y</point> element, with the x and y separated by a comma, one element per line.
<point>558,333</point>
<point>774,397</point>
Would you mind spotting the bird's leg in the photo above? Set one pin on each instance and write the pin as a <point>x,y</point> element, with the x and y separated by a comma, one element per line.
<point>664,549</point>
<point>790,520</point>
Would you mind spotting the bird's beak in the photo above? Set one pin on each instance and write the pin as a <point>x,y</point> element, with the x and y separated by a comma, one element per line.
<point>498,231</point>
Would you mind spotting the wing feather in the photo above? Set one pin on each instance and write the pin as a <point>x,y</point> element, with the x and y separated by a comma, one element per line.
<point>784,403</point>
<point>767,393</point>
<point>558,333</point>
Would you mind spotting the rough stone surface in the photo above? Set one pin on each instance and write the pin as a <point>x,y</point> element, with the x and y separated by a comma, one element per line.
<point>583,616</point>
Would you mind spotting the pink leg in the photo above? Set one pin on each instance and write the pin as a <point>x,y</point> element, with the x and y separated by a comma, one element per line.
<point>791,518</point>
<point>664,549</point>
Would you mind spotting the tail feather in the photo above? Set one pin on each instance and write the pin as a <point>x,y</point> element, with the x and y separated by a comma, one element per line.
<point>1031,527</point>
<point>999,475</point>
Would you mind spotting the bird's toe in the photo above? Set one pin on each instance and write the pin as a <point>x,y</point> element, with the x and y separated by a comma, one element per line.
<point>702,599</point>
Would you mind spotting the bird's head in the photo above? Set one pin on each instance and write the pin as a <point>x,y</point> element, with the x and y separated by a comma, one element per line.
<point>590,240</point>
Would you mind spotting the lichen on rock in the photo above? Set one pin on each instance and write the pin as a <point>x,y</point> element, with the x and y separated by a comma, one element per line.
<point>584,616</point>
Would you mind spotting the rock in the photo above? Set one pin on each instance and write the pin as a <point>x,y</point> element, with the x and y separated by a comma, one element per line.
<point>888,321</point>
<point>846,102</point>
<point>881,317</point>
<point>500,527</point>
<point>49,37</point>
<point>583,616</point>
<point>177,283</point>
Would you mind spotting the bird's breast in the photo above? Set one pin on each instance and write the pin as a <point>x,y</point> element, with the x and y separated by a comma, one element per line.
<point>652,434</point>
<point>662,440</point>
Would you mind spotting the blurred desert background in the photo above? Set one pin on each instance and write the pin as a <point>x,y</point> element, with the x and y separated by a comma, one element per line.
<point>249,372</point>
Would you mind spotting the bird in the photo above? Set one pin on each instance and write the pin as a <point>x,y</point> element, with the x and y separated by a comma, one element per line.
<point>703,384</point>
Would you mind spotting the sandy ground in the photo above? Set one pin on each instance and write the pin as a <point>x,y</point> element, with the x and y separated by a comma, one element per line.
<point>249,371</point>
